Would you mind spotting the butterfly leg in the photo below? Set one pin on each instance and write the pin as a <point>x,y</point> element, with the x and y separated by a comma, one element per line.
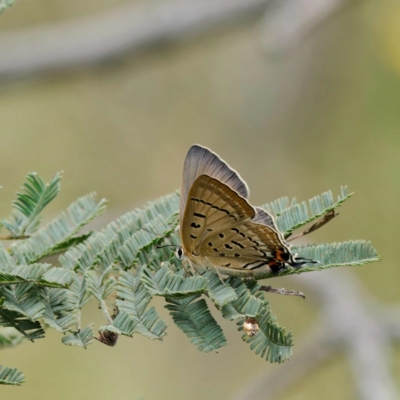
<point>192,268</point>
<point>219,275</point>
<point>283,291</point>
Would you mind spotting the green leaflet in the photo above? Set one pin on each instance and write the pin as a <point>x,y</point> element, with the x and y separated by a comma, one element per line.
<point>166,283</point>
<point>195,320</point>
<point>291,215</point>
<point>82,338</point>
<point>125,324</point>
<point>7,263</point>
<point>351,253</point>
<point>35,196</point>
<point>219,292</point>
<point>101,286</point>
<point>125,240</point>
<point>15,320</point>
<point>11,376</point>
<point>60,230</point>
<point>58,313</point>
<point>133,299</point>
<point>25,300</point>
<point>270,342</point>
<point>246,303</point>
<point>40,275</point>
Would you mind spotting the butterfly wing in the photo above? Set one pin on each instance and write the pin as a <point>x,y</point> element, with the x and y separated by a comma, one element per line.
<point>202,161</point>
<point>246,246</point>
<point>264,218</point>
<point>212,207</point>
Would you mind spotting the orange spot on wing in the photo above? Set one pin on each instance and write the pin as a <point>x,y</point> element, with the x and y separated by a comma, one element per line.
<point>278,255</point>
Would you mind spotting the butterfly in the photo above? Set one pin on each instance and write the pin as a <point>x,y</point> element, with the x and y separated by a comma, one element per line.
<point>219,228</point>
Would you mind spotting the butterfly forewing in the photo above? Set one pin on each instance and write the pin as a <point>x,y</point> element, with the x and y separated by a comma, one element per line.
<point>201,161</point>
<point>211,207</point>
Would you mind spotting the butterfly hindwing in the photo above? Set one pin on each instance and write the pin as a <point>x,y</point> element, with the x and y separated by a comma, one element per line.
<point>247,246</point>
<point>211,207</point>
<point>202,161</point>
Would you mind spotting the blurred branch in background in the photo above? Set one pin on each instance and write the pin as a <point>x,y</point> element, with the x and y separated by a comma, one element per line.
<point>132,27</point>
<point>351,321</point>
<point>114,34</point>
<point>288,22</point>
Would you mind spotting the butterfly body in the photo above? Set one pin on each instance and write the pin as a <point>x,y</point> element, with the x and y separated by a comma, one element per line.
<point>219,227</point>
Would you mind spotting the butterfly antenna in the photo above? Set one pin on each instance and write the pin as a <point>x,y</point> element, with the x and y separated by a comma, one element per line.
<point>166,245</point>
<point>299,262</point>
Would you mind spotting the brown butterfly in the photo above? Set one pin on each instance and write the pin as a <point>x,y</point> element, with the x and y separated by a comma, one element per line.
<point>218,226</point>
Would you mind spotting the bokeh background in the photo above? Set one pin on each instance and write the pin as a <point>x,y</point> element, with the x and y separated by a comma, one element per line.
<point>297,110</point>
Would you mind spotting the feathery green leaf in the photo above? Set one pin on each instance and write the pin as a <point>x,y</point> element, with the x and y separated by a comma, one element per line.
<point>291,215</point>
<point>11,376</point>
<point>270,342</point>
<point>166,283</point>
<point>351,253</point>
<point>37,274</point>
<point>36,195</point>
<point>58,313</point>
<point>123,324</point>
<point>82,338</point>
<point>219,292</point>
<point>248,304</point>
<point>50,238</point>
<point>101,286</point>
<point>17,321</point>
<point>133,299</point>
<point>195,320</point>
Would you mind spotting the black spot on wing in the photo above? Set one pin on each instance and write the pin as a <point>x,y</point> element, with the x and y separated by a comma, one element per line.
<point>259,265</point>
<point>255,264</point>
<point>252,240</point>
<point>237,244</point>
<point>194,225</point>
<point>199,215</point>
<point>228,246</point>
<point>215,207</point>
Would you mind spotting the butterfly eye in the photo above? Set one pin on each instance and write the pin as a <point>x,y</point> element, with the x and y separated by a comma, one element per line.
<point>179,253</point>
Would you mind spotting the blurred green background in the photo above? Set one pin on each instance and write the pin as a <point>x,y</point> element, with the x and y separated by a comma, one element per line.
<point>321,114</point>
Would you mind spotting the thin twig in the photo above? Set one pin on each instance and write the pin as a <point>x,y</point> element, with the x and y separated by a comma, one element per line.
<point>10,237</point>
<point>283,291</point>
<point>318,224</point>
